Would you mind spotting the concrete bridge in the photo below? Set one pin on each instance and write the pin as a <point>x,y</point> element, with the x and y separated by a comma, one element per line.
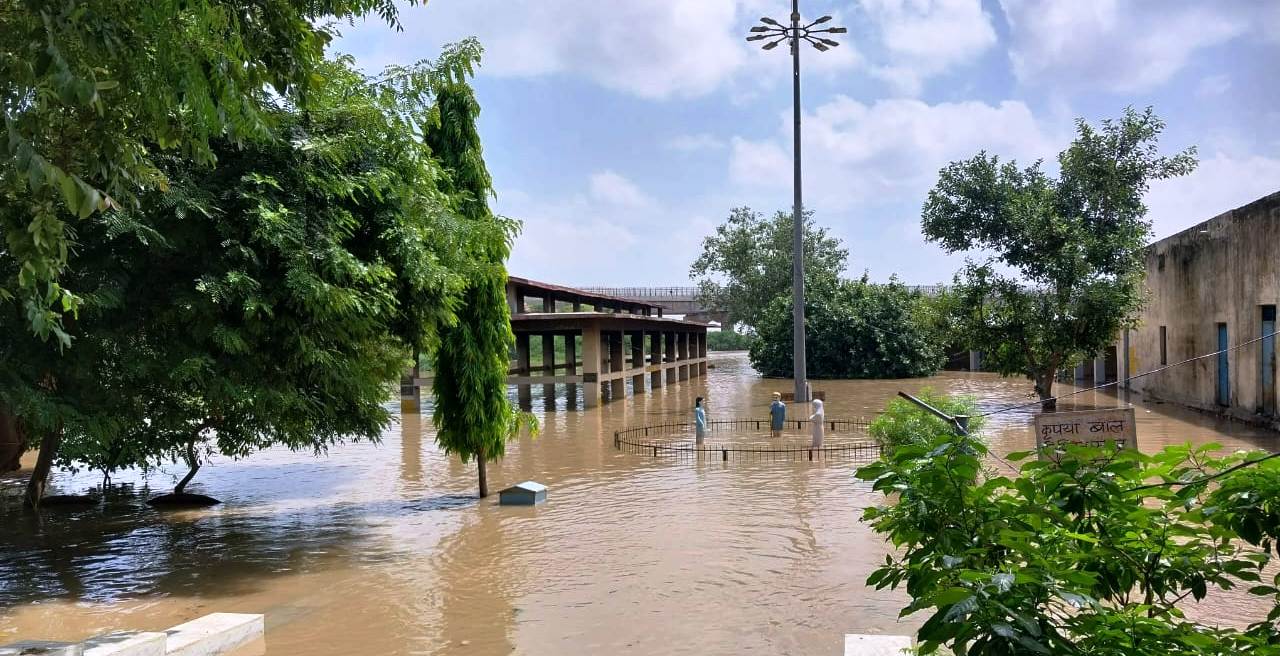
<point>672,300</point>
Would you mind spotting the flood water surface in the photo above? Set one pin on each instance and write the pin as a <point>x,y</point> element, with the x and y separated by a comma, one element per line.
<point>382,549</point>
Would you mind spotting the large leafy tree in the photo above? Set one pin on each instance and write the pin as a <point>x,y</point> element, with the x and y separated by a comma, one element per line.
<point>94,91</point>
<point>748,262</point>
<point>853,329</point>
<point>473,416</point>
<point>1067,269</point>
<point>269,300</point>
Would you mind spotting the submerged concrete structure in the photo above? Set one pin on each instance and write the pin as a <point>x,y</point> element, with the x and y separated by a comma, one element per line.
<point>1213,286</point>
<point>616,341</point>
<point>597,342</point>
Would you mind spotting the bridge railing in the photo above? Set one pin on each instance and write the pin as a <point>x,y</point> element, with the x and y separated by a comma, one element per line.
<point>681,293</point>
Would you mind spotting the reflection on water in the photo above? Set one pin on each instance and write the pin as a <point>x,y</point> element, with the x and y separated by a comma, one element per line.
<point>382,550</point>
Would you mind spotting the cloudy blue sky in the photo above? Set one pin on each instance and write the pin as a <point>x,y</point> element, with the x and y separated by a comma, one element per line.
<point>622,131</point>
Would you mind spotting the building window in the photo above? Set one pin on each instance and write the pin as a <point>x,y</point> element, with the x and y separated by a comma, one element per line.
<point>1164,345</point>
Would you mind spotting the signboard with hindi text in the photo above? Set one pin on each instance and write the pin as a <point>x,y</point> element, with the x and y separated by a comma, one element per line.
<point>1087,428</point>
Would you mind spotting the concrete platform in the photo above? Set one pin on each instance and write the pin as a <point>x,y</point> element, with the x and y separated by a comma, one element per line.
<point>126,643</point>
<point>213,634</point>
<point>41,648</point>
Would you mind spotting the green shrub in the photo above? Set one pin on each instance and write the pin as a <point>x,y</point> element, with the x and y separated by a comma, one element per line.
<point>728,340</point>
<point>853,329</point>
<point>904,422</point>
<point>1089,551</point>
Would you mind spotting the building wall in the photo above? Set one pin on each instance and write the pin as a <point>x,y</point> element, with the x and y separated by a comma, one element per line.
<point>1220,271</point>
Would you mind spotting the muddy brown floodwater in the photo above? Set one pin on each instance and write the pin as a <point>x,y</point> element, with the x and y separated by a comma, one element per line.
<point>379,549</point>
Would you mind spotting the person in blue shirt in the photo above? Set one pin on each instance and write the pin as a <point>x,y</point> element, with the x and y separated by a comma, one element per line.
<point>699,420</point>
<point>777,415</point>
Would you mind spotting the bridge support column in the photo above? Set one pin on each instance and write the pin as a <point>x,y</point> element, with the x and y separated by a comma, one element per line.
<point>637,362</point>
<point>670,357</point>
<point>1100,369</point>
<point>549,366</point>
<point>1079,373</point>
<point>975,360</point>
<point>682,355</point>
<point>702,353</point>
<point>655,360</point>
<point>571,368</point>
<point>617,386</point>
<point>591,366</point>
<point>524,392</point>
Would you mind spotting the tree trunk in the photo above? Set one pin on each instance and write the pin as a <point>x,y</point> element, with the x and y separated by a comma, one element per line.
<point>44,463</point>
<point>194,466</point>
<point>13,442</point>
<point>484,482</point>
<point>1044,388</point>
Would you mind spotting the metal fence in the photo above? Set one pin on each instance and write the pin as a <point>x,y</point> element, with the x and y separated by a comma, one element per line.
<point>846,439</point>
<point>672,293</point>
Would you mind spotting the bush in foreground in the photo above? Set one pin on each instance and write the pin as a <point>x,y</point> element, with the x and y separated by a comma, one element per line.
<point>1087,551</point>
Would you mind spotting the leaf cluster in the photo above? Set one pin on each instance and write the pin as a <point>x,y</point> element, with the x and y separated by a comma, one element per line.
<point>1087,551</point>
<point>853,329</point>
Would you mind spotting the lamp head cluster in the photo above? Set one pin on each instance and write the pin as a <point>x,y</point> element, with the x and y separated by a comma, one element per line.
<point>774,33</point>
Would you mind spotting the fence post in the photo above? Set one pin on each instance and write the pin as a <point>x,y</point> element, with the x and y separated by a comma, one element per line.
<point>724,455</point>
<point>810,455</point>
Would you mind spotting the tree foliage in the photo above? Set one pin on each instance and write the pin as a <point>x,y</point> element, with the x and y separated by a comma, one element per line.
<point>270,300</point>
<point>729,340</point>
<point>95,92</point>
<point>903,422</point>
<point>1074,244</point>
<point>748,262</point>
<point>853,329</point>
<point>473,416</point>
<point>1086,551</point>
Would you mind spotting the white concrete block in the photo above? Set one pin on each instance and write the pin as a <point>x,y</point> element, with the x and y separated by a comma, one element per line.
<point>126,643</point>
<point>41,648</point>
<point>214,634</point>
<point>875,645</point>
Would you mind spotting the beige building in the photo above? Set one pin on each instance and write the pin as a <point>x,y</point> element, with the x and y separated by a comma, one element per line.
<point>1211,287</point>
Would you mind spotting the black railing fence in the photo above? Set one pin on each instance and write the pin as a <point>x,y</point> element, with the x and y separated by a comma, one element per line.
<point>844,439</point>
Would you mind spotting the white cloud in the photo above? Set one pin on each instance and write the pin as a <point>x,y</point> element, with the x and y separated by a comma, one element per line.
<point>923,38</point>
<point>1222,182</point>
<point>610,188</point>
<point>588,238</point>
<point>654,49</point>
<point>856,154</point>
<point>1119,46</point>
<point>689,143</point>
<point>1213,85</point>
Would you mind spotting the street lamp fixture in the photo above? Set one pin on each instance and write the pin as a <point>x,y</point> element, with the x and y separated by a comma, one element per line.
<point>774,32</point>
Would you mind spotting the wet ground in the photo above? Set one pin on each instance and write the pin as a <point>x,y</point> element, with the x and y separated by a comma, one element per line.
<point>381,549</point>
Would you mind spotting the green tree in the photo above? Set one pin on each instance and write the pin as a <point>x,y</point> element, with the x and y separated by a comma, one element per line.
<point>853,329</point>
<point>270,300</point>
<point>748,262</point>
<point>1084,551</point>
<point>728,340</point>
<point>94,91</point>
<point>473,416</point>
<point>1074,245</point>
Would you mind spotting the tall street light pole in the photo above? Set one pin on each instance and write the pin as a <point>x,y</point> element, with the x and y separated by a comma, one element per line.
<point>774,33</point>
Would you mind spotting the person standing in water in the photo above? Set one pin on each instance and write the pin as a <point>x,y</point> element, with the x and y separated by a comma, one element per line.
<point>699,420</point>
<point>817,422</point>
<point>777,415</point>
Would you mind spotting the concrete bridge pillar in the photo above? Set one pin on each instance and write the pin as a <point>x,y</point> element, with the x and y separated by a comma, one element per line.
<point>591,366</point>
<point>682,355</point>
<point>975,360</point>
<point>571,367</point>
<point>637,363</point>
<point>549,364</point>
<point>670,339</point>
<point>1079,372</point>
<point>524,392</point>
<point>1100,369</point>
<point>655,360</point>
<point>617,386</point>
